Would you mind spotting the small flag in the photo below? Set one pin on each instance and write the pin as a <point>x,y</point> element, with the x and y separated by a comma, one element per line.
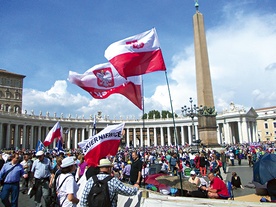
<point>55,132</point>
<point>39,146</point>
<point>59,145</point>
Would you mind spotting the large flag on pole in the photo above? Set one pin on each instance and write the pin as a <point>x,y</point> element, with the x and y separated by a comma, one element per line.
<point>55,132</point>
<point>136,55</point>
<point>39,146</point>
<point>105,143</point>
<point>103,80</point>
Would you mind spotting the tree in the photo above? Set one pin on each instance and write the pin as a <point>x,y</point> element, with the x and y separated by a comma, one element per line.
<point>154,114</point>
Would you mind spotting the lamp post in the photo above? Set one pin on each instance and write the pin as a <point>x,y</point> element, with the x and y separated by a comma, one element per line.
<point>192,112</point>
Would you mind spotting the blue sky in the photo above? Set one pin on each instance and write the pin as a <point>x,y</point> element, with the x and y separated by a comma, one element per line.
<point>44,40</point>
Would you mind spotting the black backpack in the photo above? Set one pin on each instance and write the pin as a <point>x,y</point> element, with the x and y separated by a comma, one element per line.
<point>99,193</point>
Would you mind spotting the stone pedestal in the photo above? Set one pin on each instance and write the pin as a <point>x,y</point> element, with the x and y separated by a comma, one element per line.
<point>207,130</point>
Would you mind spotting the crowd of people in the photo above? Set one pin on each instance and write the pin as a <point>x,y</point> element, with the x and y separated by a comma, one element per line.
<point>49,171</point>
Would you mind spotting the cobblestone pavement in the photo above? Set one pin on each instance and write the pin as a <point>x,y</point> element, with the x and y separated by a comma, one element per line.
<point>243,170</point>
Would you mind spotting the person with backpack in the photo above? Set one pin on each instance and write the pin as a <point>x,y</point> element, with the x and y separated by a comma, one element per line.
<point>66,186</point>
<point>102,190</point>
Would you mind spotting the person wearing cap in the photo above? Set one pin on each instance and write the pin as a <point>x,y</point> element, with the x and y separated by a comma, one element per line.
<point>66,185</point>
<point>42,172</point>
<point>126,171</point>
<point>11,182</point>
<point>115,185</point>
<point>193,178</point>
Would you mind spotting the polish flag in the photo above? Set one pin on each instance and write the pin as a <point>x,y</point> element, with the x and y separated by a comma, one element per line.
<point>55,132</point>
<point>136,55</point>
<point>103,144</point>
<point>103,80</point>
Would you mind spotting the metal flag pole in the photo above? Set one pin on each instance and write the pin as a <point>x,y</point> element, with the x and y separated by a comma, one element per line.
<point>175,134</point>
<point>143,112</point>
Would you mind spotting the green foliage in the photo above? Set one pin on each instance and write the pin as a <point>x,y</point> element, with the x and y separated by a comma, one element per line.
<point>154,114</point>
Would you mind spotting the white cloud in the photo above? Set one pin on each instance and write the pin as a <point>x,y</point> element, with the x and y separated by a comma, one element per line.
<point>242,60</point>
<point>242,63</point>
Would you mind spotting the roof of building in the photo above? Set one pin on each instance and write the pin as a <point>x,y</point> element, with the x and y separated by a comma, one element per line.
<point>10,73</point>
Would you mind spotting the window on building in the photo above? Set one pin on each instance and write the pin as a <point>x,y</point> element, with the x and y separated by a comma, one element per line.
<point>274,124</point>
<point>266,126</point>
<point>266,133</point>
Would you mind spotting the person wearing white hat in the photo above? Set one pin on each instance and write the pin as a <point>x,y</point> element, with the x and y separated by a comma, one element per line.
<point>66,186</point>
<point>194,179</point>
<point>115,185</point>
<point>42,171</point>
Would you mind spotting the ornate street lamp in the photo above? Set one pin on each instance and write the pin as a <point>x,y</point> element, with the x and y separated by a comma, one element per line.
<point>192,112</point>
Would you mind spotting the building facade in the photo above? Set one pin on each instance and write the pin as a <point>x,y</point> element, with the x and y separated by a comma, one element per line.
<point>24,130</point>
<point>11,87</point>
<point>266,123</point>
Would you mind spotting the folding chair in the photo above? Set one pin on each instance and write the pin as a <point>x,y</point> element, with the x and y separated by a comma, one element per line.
<point>230,190</point>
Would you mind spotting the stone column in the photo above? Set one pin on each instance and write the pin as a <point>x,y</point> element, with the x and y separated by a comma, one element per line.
<point>148,136</point>
<point>141,137</point>
<point>162,136</point>
<point>76,138</point>
<point>24,139</point>
<point>32,137</point>
<point>190,134</point>
<point>245,131</point>
<point>8,136</point>
<point>16,136</point>
<point>82,134</point>
<point>69,139</point>
<point>240,131</point>
<point>39,133</point>
<point>155,136</point>
<point>134,137</point>
<point>182,136</point>
<point>169,136</point>
<point>127,136</point>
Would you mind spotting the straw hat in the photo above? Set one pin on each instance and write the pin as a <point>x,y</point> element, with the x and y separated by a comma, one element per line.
<point>105,163</point>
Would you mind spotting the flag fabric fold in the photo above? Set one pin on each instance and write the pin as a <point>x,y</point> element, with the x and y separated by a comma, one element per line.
<point>103,144</point>
<point>55,132</point>
<point>136,55</point>
<point>59,147</point>
<point>39,146</point>
<point>103,80</point>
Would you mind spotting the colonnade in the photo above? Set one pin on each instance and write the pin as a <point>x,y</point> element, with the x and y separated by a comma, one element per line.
<point>25,131</point>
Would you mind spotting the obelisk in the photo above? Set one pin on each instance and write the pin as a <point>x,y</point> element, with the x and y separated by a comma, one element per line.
<point>207,127</point>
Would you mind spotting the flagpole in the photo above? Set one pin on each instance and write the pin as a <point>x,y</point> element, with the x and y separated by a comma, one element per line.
<point>143,109</point>
<point>175,134</point>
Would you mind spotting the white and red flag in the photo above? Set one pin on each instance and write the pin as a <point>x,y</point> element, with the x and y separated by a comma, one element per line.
<point>55,132</point>
<point>103,80</point>
<point>136,55</point>
<point>103,144</point>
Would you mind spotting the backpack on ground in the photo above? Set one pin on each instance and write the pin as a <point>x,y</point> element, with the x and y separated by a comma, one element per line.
<point>99,193</point>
